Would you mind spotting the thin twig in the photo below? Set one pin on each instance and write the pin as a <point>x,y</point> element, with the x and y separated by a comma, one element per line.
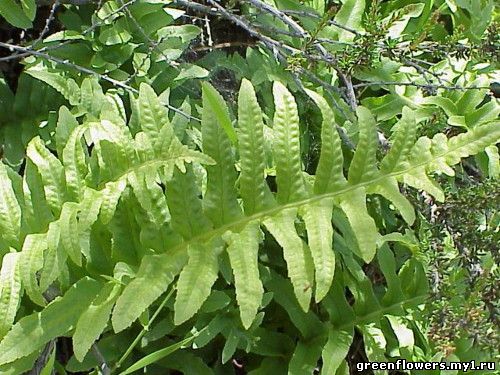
<point>420,85</point>
<point>48,21</point>
<point>103,365</point>
<point>85,70</point>
<point>280,15</point>
<point>191,5</point>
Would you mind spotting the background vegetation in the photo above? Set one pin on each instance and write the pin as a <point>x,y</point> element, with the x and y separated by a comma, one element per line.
<point>248,187</point>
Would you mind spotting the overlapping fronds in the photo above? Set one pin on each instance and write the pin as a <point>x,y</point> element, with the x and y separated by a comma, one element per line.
<point>173,211</point>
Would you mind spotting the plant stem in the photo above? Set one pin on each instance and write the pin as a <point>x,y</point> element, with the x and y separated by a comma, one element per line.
<point>143,331</point>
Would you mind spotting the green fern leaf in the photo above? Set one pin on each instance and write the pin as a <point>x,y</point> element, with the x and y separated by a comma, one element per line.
<point>243,250</point>
<point>185,206</point>
<point>30,262</point>
<point>318,219</point>
<point>66,123</point>
<point>417,177</point>
<point>253,186</point>
<point>144,147</point>
<point>150,195</point>
<point>215,101</point>
<point>389,189</point>
<point>10,291</point>
<point>470,143</point>
<point>220,200</point>
<point>36,210</point>
<point>196,279</point>
<point>51,172</point>
<point>110,196</point>
<point>69,232</point>
<point>10,211</point>
<point>75,166</point>
<point>286,147</point>
<point>32,332</point>
<point>404,139</point>
<point>88,213</point>
<point>54,257</point>
<point>153,115</point>
<point>329,173</point>
<point>94,320</point>
<point>364,162</point>
<point>353,204</point>
<point>296,252</point>
<point>305,357</point>
<point>336,349</point>
<point>152,280</point>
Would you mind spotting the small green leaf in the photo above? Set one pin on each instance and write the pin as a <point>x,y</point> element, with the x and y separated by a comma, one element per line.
<point>10,291</point>
<point>196,280</point>
<point>14,14</point>
<point>243,250</point>
<point>350,15</point>
<point>152,280</point>
<point>94,320</point>
<point>33,331</point>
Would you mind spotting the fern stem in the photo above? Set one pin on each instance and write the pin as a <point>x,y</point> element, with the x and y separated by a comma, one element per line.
<point>143,331</point>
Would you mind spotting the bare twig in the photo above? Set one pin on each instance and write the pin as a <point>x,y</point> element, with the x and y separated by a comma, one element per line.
<point>280,15</point>
<point>420,85</point>
<point>85,70</point>
<point>191,5</point>
<point>43,358</point>
<point>103,364</point>
<point>48,21</point>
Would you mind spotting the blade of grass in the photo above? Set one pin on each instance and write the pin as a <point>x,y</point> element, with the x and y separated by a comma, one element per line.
<point>159,354</point>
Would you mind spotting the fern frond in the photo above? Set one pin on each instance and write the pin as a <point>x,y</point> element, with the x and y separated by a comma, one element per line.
<point>75,166</point>
<point>10,291</point>
<point>243,250</point>
<point>253,187</point>
<point>69,232</point>
<point>30,262</point>
<point>153,116</point>
<point>353,203</point>
<point>404,139</point>
<point>329,173</point>
<point>220,200</point>
<point>10,210</point>
<point>364,162</point>
<point>185,206</point>
<point>302,259</point>
<point>196,279</point>
<point>93,321</point>
<point>318,220</point>
<point>286,147</point>
<point>51,172</point>
<point>153,278</point>
<point>296,253</point>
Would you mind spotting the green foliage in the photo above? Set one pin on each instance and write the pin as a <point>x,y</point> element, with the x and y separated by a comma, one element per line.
<point>88,191</point>
<point>169,207</point>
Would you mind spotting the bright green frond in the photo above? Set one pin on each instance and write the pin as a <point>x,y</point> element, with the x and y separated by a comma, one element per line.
<point>152,280</point>
<point>253,186</point>
<point>286,147</point>
<point>51,172</point>
<point>196,279</point>
<point>243,248</point>
<point>296,253</point>
<point>10,211</point>
<point>364,162</point>
<point>329,173</point>
<point>220,200</point>
<point>10,291</point>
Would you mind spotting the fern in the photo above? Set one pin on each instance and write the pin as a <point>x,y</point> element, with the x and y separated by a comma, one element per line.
<point>101,206</point>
